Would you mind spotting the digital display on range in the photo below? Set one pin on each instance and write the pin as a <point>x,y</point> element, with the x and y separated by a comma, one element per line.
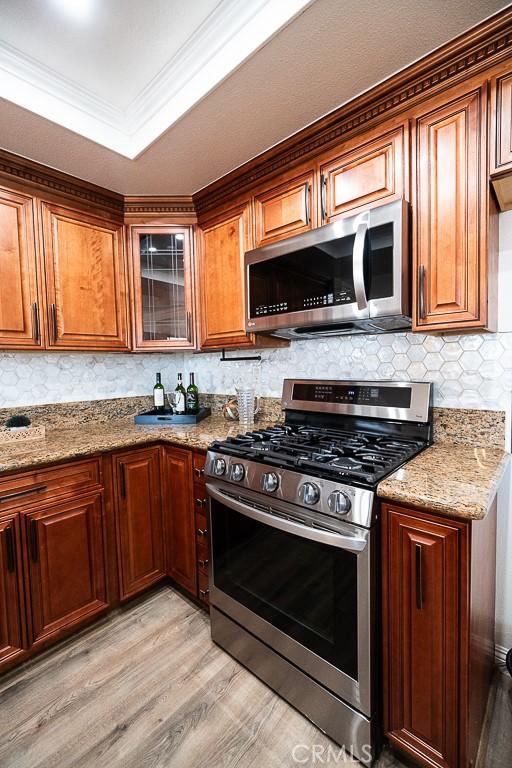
<point>393,397</point>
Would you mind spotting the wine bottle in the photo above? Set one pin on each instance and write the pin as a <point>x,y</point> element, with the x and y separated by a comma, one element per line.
<point>192,396</point>
<point>159,395</point>
<point>180,397</point>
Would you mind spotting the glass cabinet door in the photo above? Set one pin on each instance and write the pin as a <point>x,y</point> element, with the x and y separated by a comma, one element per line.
<point>162,287</point>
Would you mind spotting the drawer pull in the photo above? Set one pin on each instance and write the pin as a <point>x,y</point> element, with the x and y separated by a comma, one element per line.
<point>419,585</point>
<point>27,492</point>
<point>34,548</point>
<point>199,472</point>
<point>203,563</point>
<point>204,592</point>
<point>323,190</point>
<point>306,192</point>
<point>422,291</point>
<point>11,555</point>
<point>202,532</point>
<point>201,502</point>
<point>54,323</point>
<point>35,312</point>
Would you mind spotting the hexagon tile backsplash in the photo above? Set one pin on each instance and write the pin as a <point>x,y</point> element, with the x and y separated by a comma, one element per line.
<point>469,371</point>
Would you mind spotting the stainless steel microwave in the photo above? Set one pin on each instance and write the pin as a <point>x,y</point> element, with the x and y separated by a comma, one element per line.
<point>351,276</point>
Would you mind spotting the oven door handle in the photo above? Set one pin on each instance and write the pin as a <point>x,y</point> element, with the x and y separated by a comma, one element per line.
<point>342,541</point>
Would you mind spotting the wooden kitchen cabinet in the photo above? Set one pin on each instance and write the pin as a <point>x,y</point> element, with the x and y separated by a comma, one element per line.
<point>285,210</point>
<point>369,170</point>
<point>20,296</point>
<point>86,280</point>
<point>438,578</point>
<point>65,564</point>
<point>12,614</point>
<point>139,520</point>
<point>455,226</point>
<point>179,520</point>
<point>501,139</point>
<point>162,280</point>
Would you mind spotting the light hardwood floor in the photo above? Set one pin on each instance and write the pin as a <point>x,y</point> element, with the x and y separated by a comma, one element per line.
<point>146,688</point>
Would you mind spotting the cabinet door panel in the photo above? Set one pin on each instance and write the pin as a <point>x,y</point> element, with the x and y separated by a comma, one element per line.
<point>422,605</point>
<point>501,130</point>
<point>139,521</point>
<point>451,226</point>
<point>11,593</point>
<point>86,281</point>
<point>179,517</point>
<point>284,210</point>
<point>20,315</point>
<point>66,564</point>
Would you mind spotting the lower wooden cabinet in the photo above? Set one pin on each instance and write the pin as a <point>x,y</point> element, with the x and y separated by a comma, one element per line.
<point>179,523</point>
<point>12,622</point>
<point>139,520</point>
<point>438,625</point>
<point>65,564</point>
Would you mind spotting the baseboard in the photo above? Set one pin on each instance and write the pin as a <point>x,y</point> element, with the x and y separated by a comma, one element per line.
<point>500,653</point>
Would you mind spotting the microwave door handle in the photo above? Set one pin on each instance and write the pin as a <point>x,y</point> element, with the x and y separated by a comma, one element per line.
<point>358,266</point>
<point>339,540</point>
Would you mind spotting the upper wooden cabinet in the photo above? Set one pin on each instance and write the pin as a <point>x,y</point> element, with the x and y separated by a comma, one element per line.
<point>86,280</point>
<point>162,288</point>
<point>20,306</point>
<point>501,139</point>
<point>369,170</point>
<point>284,210</point>
<point>455,242</point>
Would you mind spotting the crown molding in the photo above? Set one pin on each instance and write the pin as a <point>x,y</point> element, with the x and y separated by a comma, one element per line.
<point>472,52</point>
<point>145,207</point>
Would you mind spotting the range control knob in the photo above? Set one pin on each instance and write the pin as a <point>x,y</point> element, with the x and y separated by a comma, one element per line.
<point>339,503</point>
<point>237,472</point>
<point>309,493</point>
<point>270,482</point>
<point>219,467</point>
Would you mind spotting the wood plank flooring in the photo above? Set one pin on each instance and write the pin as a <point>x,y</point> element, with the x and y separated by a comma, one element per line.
<point>146,688</point>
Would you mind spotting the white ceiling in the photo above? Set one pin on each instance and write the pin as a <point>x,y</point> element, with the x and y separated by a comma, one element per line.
<point>325,56</point>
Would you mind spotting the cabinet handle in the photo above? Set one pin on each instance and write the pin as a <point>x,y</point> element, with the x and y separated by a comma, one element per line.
<point>422,291</point>
<point>199,472</point>
<point>201,502</point>
<point>323,190</point>
<point>202,532</point>
<point>28,492</point>
<point>11,555</point>
<point>419,586</point>
<point>204,592</point>
<point>306,192</point>
<point>189,326</point>
<point>123,480</point>
<point>34,549</point>
<point>54,322</point>
<point>35,313</point>
<point>203,563</point>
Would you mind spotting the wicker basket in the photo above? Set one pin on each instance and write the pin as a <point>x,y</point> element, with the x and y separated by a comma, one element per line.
<point>17,435</point>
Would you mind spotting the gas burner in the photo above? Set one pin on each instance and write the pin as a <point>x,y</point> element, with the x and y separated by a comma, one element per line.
<point>347,463</point>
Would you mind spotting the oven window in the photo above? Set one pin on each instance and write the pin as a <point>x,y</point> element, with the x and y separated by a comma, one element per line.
<point>306,589</point>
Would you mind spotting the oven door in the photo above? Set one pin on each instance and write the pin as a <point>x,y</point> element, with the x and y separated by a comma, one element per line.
<point>306,592</point>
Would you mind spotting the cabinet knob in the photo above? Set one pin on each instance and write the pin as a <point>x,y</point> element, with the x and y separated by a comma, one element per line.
<point>202,532</point>
<point>199,472</point>
<point>203,563</point>
<point>204,592</point>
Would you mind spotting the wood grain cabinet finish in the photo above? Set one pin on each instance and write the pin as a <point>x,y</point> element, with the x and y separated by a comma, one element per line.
<point>451,260</point>
<point>284,210</point>
<point>369,171</point>
<point>139,520</point>
<point>162,280</point>
<point>501,127</point>
<point>12,619</point>
<point>179,520</point>
<point>86,281</point>
<point>64,543</point>
<point>20,305</point>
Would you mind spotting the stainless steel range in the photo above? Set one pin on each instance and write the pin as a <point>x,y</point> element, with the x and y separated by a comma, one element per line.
<point>294,545</point>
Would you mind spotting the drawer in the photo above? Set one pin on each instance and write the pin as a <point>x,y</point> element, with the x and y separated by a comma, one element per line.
<point>199,462</point>
<point>24,490</point>
<point>203,588</point>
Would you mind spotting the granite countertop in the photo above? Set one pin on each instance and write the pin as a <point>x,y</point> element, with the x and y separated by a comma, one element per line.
<point>448,479</point>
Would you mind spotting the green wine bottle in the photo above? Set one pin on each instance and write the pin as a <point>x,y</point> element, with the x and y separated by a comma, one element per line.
<point>180,397</point>
<point>159,395</point>
<point>192,396</point>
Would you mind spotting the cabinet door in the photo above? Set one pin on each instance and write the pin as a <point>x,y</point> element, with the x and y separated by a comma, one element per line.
<point>11,593</point>
<point>139,520</point>
<point>284,210</point>
<point>501,127</point>
<point>367,172</point>
<point>162,278</point>
<point>179,517</point>
<point>450,289</point>
<point>422,588</point>
<point>86,281</point>
<point>20,318</point>
<point>66,564</point>
<point>222,280</point>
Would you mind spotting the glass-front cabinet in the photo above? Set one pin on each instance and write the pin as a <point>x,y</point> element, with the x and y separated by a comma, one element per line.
<point>162,287</point>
